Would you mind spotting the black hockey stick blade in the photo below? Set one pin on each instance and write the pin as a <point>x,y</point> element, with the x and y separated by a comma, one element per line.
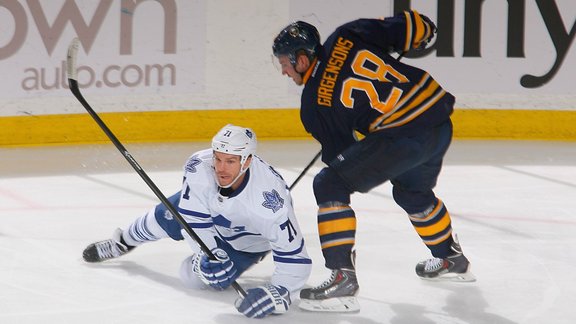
<point>73,83</point>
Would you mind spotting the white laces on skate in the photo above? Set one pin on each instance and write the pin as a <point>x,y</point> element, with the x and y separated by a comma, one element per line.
<point>327,282</point>
<point>108,249</point>
<point>433,264</point>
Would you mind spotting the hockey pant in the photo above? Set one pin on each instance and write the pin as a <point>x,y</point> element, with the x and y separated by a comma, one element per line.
<point>411,163</point>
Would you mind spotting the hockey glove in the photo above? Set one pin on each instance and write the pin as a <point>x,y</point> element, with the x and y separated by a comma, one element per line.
<point>420,29</point>
<point>429,26</point>
<point>220,273</point>
<point>264,300</point>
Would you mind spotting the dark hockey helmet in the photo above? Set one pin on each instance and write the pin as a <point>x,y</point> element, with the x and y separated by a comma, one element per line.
<point>297,37</point>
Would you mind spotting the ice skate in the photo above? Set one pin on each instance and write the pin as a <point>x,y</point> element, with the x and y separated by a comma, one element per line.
<point>107,249</point>
<point>455,267</point>
<point>337,294</point>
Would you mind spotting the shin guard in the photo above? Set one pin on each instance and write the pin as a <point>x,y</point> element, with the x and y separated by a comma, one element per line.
<point>337,230</point>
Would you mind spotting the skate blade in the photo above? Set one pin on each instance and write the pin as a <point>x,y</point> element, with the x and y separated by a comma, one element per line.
<point>453,277</point>
<point>333,305</point>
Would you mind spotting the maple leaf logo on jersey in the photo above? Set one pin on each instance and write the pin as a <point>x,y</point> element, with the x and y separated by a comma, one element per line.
<point>192,163</point>
<point>272,200</point>
<point>168,215</point>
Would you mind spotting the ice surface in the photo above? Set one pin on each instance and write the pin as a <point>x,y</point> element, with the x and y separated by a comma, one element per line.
<point>512,204</point>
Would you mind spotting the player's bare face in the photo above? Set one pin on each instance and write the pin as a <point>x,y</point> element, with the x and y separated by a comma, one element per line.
<point>289,70</point>
<point>227,168</point>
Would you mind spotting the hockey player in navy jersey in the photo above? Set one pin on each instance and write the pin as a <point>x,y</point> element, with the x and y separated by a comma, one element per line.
<point>241,209</point>
<point>353,85</point>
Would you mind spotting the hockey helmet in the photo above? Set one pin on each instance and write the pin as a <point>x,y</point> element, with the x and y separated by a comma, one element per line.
<point>235,140</point>
<point>297,37</point>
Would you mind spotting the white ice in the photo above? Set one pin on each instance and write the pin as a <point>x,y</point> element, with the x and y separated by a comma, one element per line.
<point>513,205</point>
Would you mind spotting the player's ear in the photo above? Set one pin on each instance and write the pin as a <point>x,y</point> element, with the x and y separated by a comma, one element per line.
<point>302,63</point>
<point>247,162</point>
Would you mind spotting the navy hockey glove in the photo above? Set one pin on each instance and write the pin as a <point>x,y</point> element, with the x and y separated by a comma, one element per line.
<point>429,26</point>
<point>219,274</point>
<point>264,300</point>
<point>420,29</point>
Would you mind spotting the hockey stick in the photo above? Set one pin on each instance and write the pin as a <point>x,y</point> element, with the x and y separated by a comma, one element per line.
<point>73,83</point>
<point>305,170</point>
<point>320,152</point>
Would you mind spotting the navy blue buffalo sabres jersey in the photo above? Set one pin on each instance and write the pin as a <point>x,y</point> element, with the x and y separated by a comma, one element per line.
<point>356,86</point>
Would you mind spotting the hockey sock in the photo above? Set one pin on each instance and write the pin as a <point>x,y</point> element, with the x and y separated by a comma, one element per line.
<point>337,229</point>
<point>144,229</point>
<point>435,229</point>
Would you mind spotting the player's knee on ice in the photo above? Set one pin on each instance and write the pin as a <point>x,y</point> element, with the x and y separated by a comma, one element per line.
<point>188,277</point>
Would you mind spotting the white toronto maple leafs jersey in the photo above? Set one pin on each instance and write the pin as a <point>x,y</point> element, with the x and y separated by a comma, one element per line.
<point>256,217</point>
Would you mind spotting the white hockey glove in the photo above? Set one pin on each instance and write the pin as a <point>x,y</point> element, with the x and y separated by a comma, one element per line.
<point>218,274</point>
<point>264,300</point>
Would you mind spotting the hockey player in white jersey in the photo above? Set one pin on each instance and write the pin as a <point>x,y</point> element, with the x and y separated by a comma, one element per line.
<point>241,209</point>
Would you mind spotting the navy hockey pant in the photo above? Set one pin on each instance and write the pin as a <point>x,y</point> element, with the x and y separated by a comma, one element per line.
<point>411,163</point>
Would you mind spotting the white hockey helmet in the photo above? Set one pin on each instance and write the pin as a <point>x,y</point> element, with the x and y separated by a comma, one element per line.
<point>235,140</point>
